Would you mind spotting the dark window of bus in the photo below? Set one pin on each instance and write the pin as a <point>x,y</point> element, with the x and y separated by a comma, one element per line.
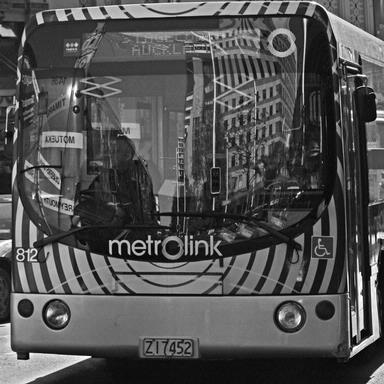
<point>375,132</point>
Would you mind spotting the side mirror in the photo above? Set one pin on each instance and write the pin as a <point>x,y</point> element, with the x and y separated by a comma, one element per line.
<point>365,101</point>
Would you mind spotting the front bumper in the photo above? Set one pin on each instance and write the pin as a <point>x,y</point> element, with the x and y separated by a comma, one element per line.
<point>226,327</point>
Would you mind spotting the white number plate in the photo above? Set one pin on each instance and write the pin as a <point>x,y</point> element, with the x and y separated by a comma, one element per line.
<point>168,347</point>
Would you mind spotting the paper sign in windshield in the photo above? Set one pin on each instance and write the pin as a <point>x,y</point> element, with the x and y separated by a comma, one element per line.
<point>58,204</point>
<point>56,107</point>
<point>60,139</point>
<point>30,174</point>
<point>50,173</point>
<point>131,130</point>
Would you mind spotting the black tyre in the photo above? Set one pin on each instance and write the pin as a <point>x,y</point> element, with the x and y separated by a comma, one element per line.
<point>5,293</point>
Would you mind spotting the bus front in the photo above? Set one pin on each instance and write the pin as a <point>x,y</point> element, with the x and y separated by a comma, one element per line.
<point>176,191</point>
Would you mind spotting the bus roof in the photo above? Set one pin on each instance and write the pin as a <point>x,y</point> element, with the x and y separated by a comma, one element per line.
<point>183,8</point>
<point>351,40</point>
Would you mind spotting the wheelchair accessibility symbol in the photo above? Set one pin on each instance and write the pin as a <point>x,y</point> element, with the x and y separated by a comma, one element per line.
<point>322,247</point>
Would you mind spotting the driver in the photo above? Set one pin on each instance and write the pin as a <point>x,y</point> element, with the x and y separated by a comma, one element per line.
<point>134,189</point>
<point>121,194</point>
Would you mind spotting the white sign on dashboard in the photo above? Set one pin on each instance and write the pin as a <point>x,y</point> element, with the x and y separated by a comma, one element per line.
<point>131,130</point>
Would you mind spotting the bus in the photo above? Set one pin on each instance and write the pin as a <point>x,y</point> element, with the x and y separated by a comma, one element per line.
<point>192,181</point>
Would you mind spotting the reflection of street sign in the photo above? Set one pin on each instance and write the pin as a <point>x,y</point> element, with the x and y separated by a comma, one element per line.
<point>215,180</point>
<point>180,159</point>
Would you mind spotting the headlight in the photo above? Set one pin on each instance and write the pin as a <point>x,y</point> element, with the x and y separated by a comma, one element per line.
<point>56,314</point>
<point>290,316</point>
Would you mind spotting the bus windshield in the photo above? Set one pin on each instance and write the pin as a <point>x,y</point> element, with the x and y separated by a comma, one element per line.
<point>154,123</point>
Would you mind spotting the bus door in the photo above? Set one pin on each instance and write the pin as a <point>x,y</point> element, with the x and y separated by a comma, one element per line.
<point>357,210</point>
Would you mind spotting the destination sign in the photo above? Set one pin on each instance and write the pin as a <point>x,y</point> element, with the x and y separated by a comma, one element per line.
<point>59,139</point>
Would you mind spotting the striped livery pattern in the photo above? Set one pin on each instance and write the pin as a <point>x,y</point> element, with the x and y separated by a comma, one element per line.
<point>274,270</point>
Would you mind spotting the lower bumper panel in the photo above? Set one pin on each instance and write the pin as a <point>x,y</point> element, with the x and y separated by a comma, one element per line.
<point>225,327</point>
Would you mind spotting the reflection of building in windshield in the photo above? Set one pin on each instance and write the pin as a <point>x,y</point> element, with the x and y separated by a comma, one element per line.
<point>198,122</point>
<point>254,109</point>
<point>254,101</point>
<point>257,112</point>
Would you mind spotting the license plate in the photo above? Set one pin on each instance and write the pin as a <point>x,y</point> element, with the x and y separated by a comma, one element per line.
<point>168,347</point>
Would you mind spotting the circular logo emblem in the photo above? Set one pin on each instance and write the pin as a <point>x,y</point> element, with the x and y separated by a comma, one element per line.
<point>180,244</point>
<point>288,35</point>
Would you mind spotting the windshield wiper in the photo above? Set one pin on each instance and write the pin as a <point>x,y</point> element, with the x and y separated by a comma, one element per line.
<point>40,166</point>
<point>58,236</point>
<point>243,218</point>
